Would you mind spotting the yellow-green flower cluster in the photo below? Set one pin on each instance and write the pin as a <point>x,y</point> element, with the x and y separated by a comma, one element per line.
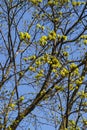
<point>64,1</point>
<point>38,62</point>
<point>79,81</point>
<point>21,98</point>
<point>46,58</point>
<point>64,72</point>
<point>72,122</point>
<point>85,39</point>
<point>11,105</point>
<point>52,35</point>
<point>56,19</point>
<point>36,2</point>
<point>65,53</point>
<point>60,13</point>
<point>71,87</point>
<point>33,57</point>
<point>43,92</point>
<point>21,73</point>
<point>85,42</point>
<point>40,27</point>
<point>53,2</point>
<point>61,37</point>
<point>42,60</point>
<point>40,74</point>
<point>52,60</point>
<point>54,70</point>
<point>58,88</point>
<point>32,68</point>
<point>84,104</point>
<point>82,94</point>
<point>24,36</point>
<point>9,128</point>
<point>77,3</point>
<point>25,58</point>
<point>56,2</point>
<point>55,63</point>
<point>73,66</point>
<point>43,40</point>
<point>85,121</point>
<point>75,72</point>
<point>72,125</point>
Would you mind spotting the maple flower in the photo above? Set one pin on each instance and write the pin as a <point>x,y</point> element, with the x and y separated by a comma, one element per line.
<point>43,40</point>
<point>52,35</point>
<point>32,69</point>
<point>21,98</point>
<point>85,42</point>
<point>22,36</point>
<point>12,105</point>
<point>73,66</point>
<point>64,72</point>
<point>27,35</point>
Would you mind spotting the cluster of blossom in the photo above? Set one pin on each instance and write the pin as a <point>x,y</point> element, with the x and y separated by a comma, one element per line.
<point>12,105</point>
<point>56,2</point>
<point>84,119</point>
<point>82,94</point>
<point>85,39</point>
<point>24,36</point>
<point>72,125</point>
<point>36,2</point>
<point>43,40</point>
<point>40,74</point>
<point>56,66</point>
<point>79,81</point>
<point>77,3</point>
<point>51,36</point>
<point>33,57</point>
<point>64,72</point>
<point>74,69</point>
<point>58,88</point>
<point>40,27</point>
